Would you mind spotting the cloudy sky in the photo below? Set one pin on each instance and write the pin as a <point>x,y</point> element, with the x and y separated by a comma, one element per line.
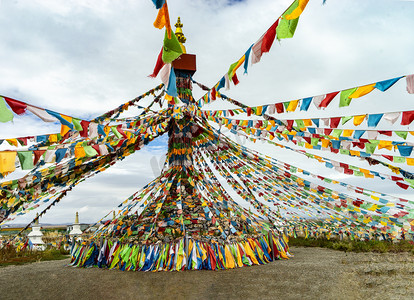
<point>82,58</point>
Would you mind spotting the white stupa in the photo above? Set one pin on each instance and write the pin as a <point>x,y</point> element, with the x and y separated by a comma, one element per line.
<point>76,230</point>
<point>35,236</point>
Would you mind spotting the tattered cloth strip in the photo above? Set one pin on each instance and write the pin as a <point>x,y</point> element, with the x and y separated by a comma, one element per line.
<point>182,254</point>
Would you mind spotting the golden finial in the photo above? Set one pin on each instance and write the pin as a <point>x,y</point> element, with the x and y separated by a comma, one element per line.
<point>179,34</point>
<point>77,218</point>
<point>37,219</point>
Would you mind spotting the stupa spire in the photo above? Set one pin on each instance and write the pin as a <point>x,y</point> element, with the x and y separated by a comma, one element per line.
<point>179,34</point>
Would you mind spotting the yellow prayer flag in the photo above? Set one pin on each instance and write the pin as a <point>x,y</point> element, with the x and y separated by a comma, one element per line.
<point>373,207</point>
<point>347,132</point>
<point>292,105</point>
<point>354,152</point>
<point>410,161</point>
<point>307,122</point>
<point>359,119</point>
<point>308,146</point>
<point>325,143</point>
<point>7,159</point>
<point>298,10</point>
<point>53,138</point>
<point>79,152</point>
<point>163,19</point>
<point>362,90</point>
<point>13,142</point>
<point>385,144</point>
<point>239,63</point>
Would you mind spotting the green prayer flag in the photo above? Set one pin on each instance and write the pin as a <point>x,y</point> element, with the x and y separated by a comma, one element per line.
<point>300,123</point>
<point>286,28</point>
<point>5,114</point>
<point>230,71</point>
<point>118,135</point>
<point>76,123</point>
<point>89,151</point>
<point>26,159</point>
<point>172,48</point>
<point>399,159</point>
<point>370,147</point>
<point>344,151</point>
<point>376,142</point>
<point>337,133</point>
<point>345,100</point>
<point>346,119</point>
<point>402,134</point>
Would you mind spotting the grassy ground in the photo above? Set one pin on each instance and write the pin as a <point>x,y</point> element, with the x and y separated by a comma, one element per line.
<point>313,273</point>
<point>355,246</point>
<point>9,256</point>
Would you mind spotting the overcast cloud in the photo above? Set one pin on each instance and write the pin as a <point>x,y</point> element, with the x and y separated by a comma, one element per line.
<point>83,58</point>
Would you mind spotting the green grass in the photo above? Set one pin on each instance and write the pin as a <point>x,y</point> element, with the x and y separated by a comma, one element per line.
<point>355,246</point>
<point>9,256</point>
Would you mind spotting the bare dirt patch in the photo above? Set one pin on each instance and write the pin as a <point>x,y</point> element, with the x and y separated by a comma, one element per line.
<point>314,273</point>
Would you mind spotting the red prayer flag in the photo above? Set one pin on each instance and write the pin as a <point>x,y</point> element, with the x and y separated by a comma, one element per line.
<point>290,124</point>
<point>407,117</point>
<point>402,185</point>
<point>213,94</point>
<point>269,37</point>
<point>119,128</point>
<point>85,125</point>
<point>96,147</point>
<point>158,65</point>
<point>335,122</point>
<point>389,157</point>
<point>37,155</point>
<point>385,132</point>
<point>395,178</point>
<point>17,106</point>
<point>329,97</point>
<point>327,131</point>
<point>348,171</point>
<point>235,79</point>
<point>279,108</point>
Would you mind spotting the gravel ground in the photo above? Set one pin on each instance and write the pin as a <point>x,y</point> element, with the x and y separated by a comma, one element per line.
<point>313,273</point>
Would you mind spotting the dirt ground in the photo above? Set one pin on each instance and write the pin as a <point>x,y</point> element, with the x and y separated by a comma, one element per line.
<point>313,273</point>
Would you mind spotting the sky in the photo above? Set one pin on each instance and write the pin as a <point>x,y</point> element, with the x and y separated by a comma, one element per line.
<point>83,58</point>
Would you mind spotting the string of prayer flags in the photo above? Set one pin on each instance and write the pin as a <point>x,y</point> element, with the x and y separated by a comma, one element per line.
<point>322,101</point>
